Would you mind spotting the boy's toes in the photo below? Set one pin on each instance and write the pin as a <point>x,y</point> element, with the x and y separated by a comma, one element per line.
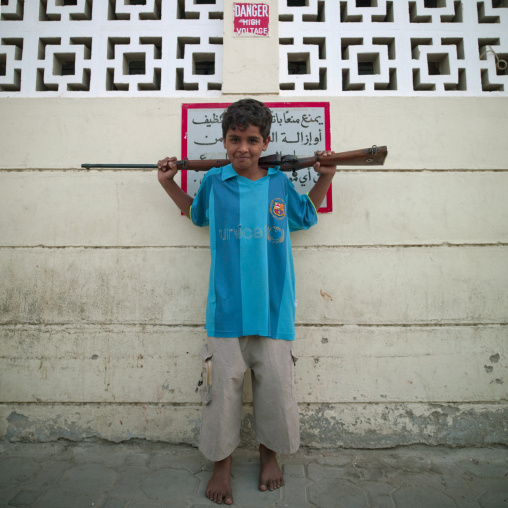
<point>218,497</point>
<point>271,485</point>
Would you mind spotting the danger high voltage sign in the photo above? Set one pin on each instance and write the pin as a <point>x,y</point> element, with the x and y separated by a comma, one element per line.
<point>251,19</point>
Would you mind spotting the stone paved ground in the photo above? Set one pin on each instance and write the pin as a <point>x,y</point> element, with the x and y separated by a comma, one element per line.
<point>152,475</point>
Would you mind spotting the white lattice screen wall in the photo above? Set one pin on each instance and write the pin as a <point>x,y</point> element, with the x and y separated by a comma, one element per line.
<point>171,48</point>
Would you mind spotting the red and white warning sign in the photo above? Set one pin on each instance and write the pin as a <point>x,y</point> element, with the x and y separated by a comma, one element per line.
<point>251,19</point>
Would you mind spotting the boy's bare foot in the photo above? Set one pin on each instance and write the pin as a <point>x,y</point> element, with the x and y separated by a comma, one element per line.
<point>219,486</point>
<point>270,476</point>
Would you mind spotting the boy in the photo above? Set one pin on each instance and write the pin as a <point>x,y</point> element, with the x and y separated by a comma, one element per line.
<point>251,297</point>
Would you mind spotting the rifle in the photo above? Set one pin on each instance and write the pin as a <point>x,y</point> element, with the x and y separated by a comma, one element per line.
<point>374,156</point>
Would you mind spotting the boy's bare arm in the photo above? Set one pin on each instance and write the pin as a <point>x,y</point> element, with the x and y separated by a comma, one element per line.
<point>166,172</point>
<point>326,173</point>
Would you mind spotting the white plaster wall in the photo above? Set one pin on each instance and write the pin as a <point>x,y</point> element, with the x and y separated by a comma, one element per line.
<point>402,319</point>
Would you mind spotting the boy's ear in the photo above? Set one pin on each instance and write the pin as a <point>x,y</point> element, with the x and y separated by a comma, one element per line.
<point>265,143</point>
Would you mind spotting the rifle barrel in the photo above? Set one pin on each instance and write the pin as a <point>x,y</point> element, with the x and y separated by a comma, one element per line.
<point>118,166</point>
<point>374,156</point>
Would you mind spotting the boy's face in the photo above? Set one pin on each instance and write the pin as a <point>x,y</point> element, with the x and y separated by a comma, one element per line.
<point>244,147</point>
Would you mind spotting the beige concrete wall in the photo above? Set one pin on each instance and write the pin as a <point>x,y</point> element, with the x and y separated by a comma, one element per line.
<point>403,301</point>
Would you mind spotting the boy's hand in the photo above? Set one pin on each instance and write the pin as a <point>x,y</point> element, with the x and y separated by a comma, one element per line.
<point>167,169</point>
<point>321,167</point>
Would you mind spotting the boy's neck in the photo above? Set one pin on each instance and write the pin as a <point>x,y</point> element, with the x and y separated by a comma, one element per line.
<point>253,174</point>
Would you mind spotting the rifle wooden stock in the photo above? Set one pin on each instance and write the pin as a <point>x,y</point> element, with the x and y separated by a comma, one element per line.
<point>374,156</point>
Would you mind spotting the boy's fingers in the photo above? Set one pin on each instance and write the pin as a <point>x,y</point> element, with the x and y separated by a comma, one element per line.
<point>167,163</point>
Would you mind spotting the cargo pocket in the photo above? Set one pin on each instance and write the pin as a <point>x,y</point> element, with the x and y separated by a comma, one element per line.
<point>205,383</point>
<point>294,359</point>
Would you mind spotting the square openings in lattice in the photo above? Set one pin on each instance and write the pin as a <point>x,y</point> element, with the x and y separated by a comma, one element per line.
<point>63,66</point>
<point>195,12</point>
<point>365,5</point>
<point>298,63</point>
<point>203,64</point>
<point>3,65</point>
<point>134,65</point>
<point>438,64</point>
<point>133,9</point>
<point>492,17</point>
<point>446,15</point>
<point>15,12</point>
<point>68,9</point>
<point>486,48</point>
<point>492,81</point>
<point>317,16</point>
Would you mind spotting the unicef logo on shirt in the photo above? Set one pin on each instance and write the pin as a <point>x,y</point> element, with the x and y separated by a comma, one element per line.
<point>278,208</point>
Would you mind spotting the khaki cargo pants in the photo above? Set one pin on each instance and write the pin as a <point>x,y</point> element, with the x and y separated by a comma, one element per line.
<point>225,361</point>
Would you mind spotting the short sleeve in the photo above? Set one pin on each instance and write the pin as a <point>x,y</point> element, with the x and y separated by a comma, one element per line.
<point>199,212</point>
<point>302,213</point>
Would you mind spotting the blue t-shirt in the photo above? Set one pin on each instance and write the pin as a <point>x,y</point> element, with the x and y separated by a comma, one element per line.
<point>252,283</point>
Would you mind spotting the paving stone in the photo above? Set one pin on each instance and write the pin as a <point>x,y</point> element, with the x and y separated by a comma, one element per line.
<point>25,498</point>
<point>51,471</point>
<point>494,499</point>
<point>137,459</point>
<point>337,461</point>
<point>101,453</point>
<point>192,464</point>
<point>17,470</point>
<point>294,492</point>
<point>317,472</point>
<point>114,502</point>
<point>422,497</point>
<point>378,493</point>
<point>424,479</point>
<point>55,498</point>
<point>87,479</point>
<point>375,475</point>
<point>132,475</point>
<point>337,493</point>
<point>368,463</point>
<point>247,494</point>
<point>143,502</point>
<point>167,458</point>
<point>148,475</point>
<point>484,469</point>
<point>294,470</point>
<point>124,491</point>
<point>8,493</point>
<point>169,484</point>
<point>463,498</point>
<point>481,485</point>
<point>415,464</point>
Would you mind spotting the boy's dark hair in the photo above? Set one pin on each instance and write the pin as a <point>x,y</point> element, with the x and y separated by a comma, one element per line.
<point>247,112</point>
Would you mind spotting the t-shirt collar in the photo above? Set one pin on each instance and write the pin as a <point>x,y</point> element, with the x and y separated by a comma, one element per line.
<point>229,172</point>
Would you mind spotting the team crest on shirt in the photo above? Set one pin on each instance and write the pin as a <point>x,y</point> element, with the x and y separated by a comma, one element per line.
<point>278,208</point>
